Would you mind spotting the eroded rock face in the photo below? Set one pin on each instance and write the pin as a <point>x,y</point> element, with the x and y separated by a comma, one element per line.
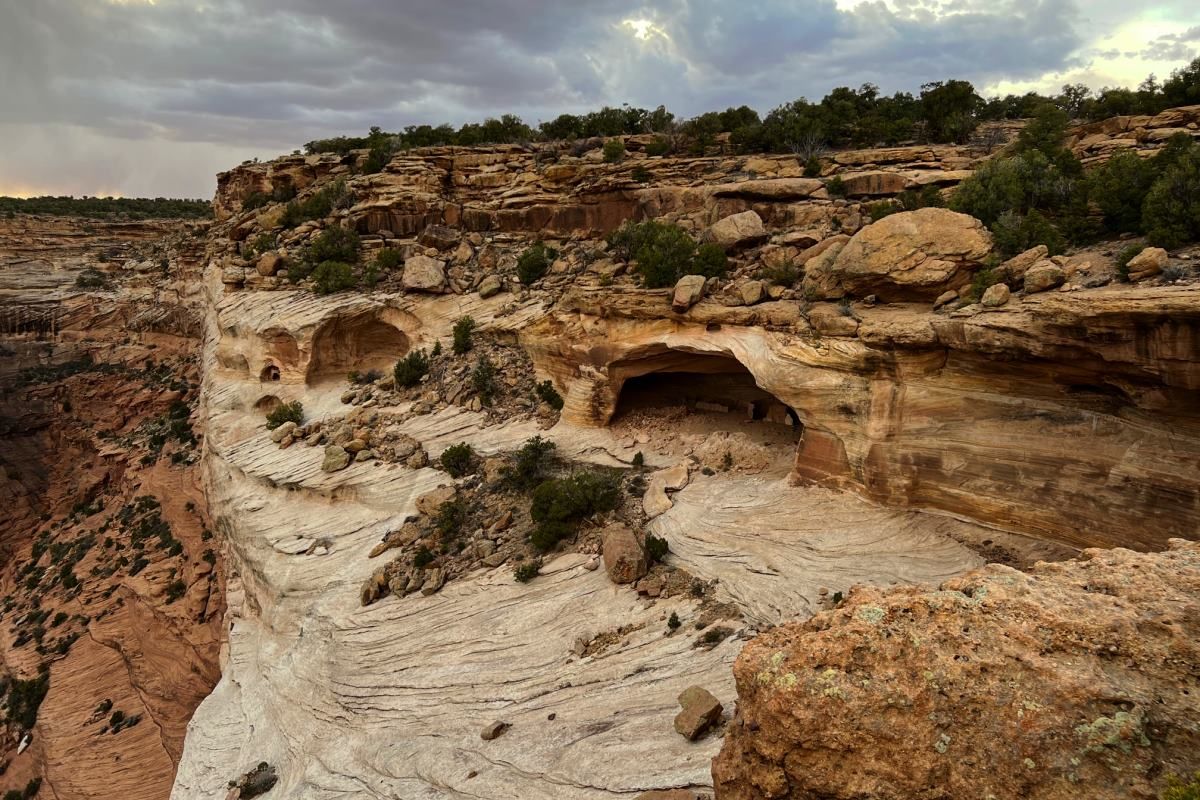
<point>1000,683</point>
<point>912,255</point>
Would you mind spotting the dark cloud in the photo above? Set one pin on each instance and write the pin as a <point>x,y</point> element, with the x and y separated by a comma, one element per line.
<point>132,96</point>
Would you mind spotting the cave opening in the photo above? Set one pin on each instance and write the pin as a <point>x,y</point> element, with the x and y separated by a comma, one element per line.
<point>360,343</point>
<point>702,393</point>
<point>270,374</point>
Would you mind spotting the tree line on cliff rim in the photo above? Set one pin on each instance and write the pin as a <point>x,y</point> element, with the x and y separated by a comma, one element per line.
<point>944,111</point>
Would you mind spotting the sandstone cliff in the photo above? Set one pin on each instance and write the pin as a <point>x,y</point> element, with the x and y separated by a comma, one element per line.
<point>799,418</point>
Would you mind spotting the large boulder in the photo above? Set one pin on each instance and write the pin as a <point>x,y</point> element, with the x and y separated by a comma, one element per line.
<point>913,255</point>
<point>1147,263</point>
<point>625,559</point>
<point>1016,267</point>
<point>1073,679</point>
<point>738,230</point>
<point>440,237</point>
<point>424,274</point>
<point>1042,276</point>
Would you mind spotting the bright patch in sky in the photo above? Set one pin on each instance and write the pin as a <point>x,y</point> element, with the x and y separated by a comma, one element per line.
<point>644,29</point>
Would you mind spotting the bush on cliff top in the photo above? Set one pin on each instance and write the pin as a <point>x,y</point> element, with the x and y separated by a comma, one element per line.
<point>665,252</point>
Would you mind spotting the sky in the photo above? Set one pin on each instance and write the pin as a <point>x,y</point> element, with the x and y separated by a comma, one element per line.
<point>154,97</point>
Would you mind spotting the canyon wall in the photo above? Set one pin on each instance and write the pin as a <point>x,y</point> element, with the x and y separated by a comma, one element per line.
<point>112,575</point>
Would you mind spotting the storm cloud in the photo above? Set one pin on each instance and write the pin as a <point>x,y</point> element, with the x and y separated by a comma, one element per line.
<point>142,97</point>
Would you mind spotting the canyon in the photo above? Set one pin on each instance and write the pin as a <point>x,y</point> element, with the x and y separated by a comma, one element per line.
<point>851,458</point>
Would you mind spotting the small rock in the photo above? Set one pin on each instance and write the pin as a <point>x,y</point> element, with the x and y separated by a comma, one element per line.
<point>945,298</point>
<point>269,264</point>
<point>405,446</point>
<point>625,559</point>
<point>418,460</point>
<point>1042,276</point>
<point>494,730</point>
<point>282,432</point>
<point>490,286</point>
<point>995,296</point>
<point>435,579</point>
<point>336,458</point>
<point>688,291</point>
<point>700,712</point>
<point>429,503</point>
<point>752,292</point>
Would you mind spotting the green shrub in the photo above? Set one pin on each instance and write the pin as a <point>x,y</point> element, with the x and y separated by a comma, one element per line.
<point>1178,790</point>
<point>13,794</point>
<point>262,243</point>
<point>483,378</point>
<point>423,557</point>
<point>411,369</point>
<point>528,570</point>
<point>782,275</point>
<point>659,146</point>
<point>614,151</point>
<point>1124,256</point>
<point>317,205</point>
<point>458,459</point>
<point>285,412</point>
<point>836,186</point>
<point>883,208</point>
<point>388,259</point>
<point>1119,188</point>
<point>535,262</point>
<point>639,460</point>
<point>1171,212</point>
<point>812,167</point>
<point>656,548</point>
<point>665,252</point>
<point>560,504</point>
<point>462,335</point>
<point>549,395</point>
<point>641,174</point>
<point>673,621</point>
<point>332,276</point>
<point>530,464</point>
<point>91,278</point>
<point>334,244</point>
<point>451,518</point>
<point>255,200</point>
<point>32,787</point>
<point>175,590</point>
<point>1015,233</point>
<point>23,699</point>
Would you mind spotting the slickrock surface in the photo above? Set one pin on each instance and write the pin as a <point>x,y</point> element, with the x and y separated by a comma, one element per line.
<point>1076,679</point>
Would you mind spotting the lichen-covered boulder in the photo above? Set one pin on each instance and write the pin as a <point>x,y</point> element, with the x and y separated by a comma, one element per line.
<point>1076,679</point>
